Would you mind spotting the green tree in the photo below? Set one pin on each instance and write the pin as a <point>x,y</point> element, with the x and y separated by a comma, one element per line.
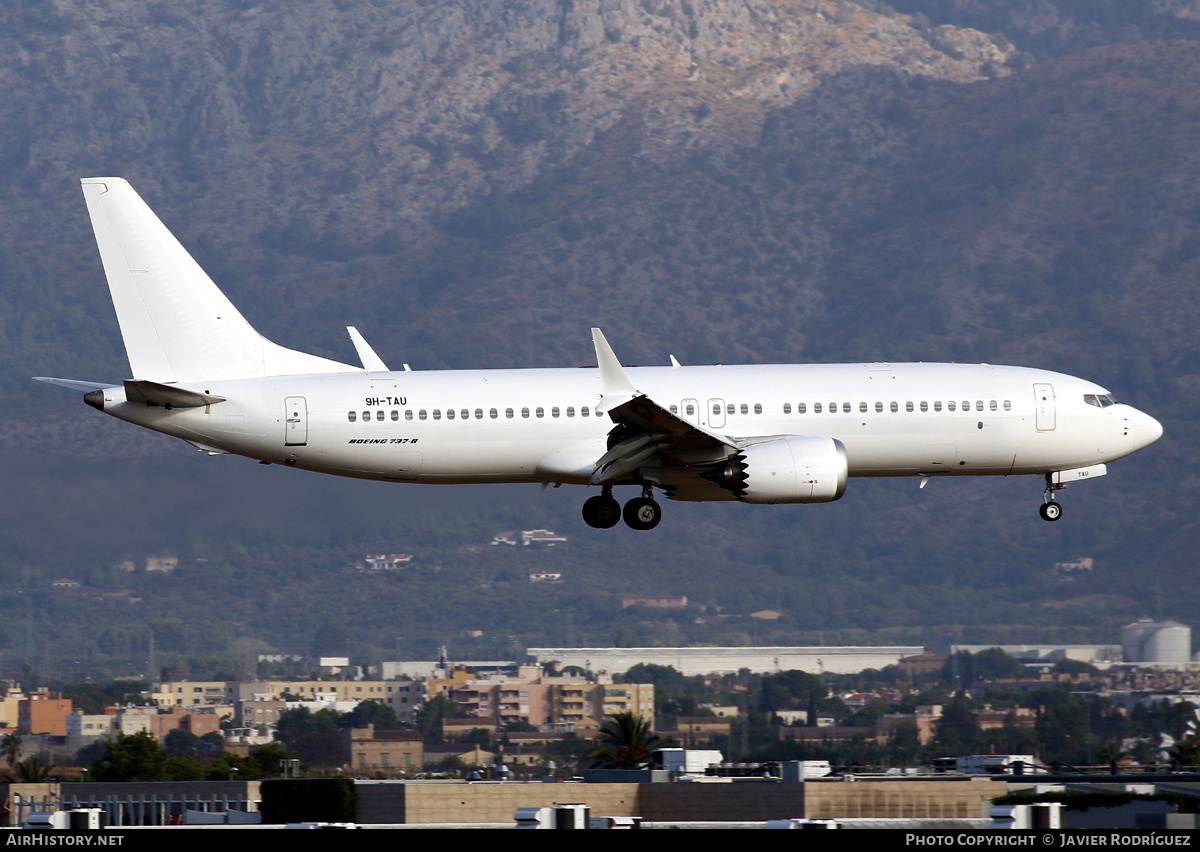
<point>430,715</point>
<point>792,690</point>
<point>34,769</point>
<point>139,757</point>
<point>625,741</point>
<point>11,746</point>
<point>376,713</point>
<point>182,742</point>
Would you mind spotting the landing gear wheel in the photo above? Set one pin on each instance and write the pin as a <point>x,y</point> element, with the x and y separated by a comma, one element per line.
<point>601,512</point>
<point>1050,511</point>
<point>642,513</point>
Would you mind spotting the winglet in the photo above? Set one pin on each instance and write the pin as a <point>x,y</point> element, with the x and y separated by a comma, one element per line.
<point>371,362</point>
<point>615,385</point>
<point>613,378</point>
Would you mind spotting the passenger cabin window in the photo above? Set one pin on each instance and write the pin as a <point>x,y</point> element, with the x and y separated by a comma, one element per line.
<point>979,405</point>
<point>540,412</point>
<point>352,416</point>
<point>758,408</point>
<point>801,408</point>
<point>554,411</point>
<point>689,409</point>
<point>716,409</point>
<point>437,414</point>
<point>449,414</point>
<point>729,409</point>
<point>408,414</point>
<point>879,408</point>
<point>908,406</point>
<point>993,405</point>
<point>862,407</point>
<point>833,408</point>
<point>366,417</point>
<point>570,411</point>
<point>937,405</point>
<point>895,406</point>
<point>583,412</point>
<point>745,408</point>
<point>950,405</point>
<point>816,408</point>
<point>465,414</point>
<point>395,414</point>
<point>1008,405</point>
<point>674,408</point>
<point>493,413</point>
<point>924,405</point>
<point>508,413</point>
<point>525,413</point>
<point>787,408</point>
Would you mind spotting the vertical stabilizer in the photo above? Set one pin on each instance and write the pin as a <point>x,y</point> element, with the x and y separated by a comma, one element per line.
<point>177,325</point>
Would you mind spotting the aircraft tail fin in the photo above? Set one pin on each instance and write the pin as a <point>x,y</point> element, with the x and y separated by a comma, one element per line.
<point>177,325</point>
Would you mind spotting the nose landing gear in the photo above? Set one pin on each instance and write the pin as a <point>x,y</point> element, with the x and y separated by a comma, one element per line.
<point>1050,510</point>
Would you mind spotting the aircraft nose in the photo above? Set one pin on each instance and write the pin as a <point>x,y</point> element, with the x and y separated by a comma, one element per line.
<point>1146,430</point>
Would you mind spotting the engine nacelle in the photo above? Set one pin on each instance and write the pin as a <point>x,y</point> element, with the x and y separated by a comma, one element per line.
<point>799,469</point>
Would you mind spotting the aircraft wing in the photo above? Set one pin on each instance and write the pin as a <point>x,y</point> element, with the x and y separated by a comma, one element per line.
<point>646,434</point>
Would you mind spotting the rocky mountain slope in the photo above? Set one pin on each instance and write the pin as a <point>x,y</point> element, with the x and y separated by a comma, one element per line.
<point>475,184</point>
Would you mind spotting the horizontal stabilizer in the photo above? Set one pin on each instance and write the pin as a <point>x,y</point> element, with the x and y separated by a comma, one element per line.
<point>76,384</point>
<point>167,396</point>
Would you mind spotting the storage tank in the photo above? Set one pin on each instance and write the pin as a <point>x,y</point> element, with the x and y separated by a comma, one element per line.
<point>1147,641</point>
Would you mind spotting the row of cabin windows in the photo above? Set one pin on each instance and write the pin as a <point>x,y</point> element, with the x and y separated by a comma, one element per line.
<point>465,413</point>
<point>802,408</point>
<point>689,410</point>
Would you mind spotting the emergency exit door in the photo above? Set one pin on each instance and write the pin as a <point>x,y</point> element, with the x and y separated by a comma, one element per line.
<point>296,422</point>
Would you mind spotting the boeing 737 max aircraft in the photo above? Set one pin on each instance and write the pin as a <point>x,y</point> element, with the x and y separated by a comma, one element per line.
<point>759,434</point>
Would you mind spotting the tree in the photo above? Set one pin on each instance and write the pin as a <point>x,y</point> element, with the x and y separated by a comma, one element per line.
<point>429,717</point>
<point>11,746</point>
<point>139,757</point>
<point>625,741</point>
<point>182,742</point>
<point>792,690</point>
<point>371,712</point>
<point>35,769</point>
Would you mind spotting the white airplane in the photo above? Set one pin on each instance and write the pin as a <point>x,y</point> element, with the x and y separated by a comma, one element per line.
<point>758,434</point>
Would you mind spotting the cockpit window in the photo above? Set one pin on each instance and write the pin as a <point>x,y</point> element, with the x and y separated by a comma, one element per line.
<point>1103,400</point>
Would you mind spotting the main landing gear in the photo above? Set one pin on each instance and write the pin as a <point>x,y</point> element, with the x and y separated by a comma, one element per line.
<point>641,513</point>
<point>1050,510</point>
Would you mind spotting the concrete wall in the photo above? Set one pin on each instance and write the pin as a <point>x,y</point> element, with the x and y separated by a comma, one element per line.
<point>436,802</point>
<point>902,799</point>
<point>722,660</point>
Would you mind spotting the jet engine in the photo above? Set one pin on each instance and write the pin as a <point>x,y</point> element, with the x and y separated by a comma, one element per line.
<point>797,469</point>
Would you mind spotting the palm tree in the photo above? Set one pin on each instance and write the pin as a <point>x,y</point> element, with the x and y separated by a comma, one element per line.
<point>625,741</point>
<point>35,769</point>
<point>10,746</point>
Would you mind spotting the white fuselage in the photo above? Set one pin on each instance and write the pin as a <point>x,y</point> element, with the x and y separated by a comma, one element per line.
<point>476,426</point>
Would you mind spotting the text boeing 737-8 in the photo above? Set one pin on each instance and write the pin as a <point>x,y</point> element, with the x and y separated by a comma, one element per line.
<point>758,434</point>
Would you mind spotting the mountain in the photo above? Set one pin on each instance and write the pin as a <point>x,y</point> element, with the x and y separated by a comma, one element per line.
<point>476,184</point>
